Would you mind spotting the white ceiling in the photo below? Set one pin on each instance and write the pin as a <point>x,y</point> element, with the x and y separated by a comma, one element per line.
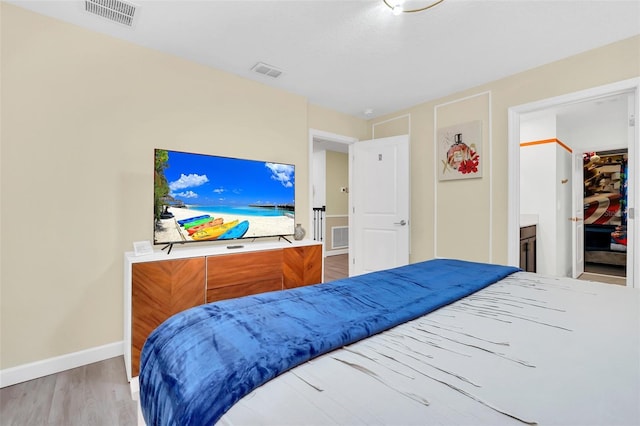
<point>354,55</point>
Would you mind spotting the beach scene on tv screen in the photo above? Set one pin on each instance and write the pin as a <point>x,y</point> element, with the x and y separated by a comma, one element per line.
<point>210,198</point>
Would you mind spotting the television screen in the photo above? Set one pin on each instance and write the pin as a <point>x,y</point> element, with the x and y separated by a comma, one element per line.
<point>210,198</point>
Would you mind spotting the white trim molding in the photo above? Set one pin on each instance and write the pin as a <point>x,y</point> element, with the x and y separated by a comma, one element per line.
<point>45,367</point>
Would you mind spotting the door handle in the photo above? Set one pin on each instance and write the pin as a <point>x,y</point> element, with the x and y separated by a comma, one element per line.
<point>401,223</point>
<point>575,219</point>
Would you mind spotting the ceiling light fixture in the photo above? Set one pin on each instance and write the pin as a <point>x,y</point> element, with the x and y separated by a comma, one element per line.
<point>397,6</point>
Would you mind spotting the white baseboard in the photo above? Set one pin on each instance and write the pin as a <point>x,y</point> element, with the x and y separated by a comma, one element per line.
<point>336,252</point>
<point>34,370</point>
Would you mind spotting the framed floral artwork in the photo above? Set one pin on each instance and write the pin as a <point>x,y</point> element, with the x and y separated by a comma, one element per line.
<point>460,151</point>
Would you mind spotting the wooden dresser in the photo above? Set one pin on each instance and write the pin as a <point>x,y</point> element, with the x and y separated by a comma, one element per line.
<point>159,285</point>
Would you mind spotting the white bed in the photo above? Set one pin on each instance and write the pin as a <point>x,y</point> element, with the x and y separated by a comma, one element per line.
<point>573,358</point>
<point>528,349</point>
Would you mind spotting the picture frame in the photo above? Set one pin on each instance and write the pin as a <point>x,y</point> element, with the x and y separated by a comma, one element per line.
<point>460,151</point>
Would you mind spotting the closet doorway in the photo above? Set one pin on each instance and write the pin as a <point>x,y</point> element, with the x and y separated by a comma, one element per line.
<point>605,177</point>
<point>583,134</point>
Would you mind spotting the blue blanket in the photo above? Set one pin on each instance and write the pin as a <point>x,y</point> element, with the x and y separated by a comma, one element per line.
<point>200,362</point>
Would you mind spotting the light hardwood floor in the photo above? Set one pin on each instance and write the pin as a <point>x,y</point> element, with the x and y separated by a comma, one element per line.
<point>608,274</point>
<point>336,267</point>
<point>95,394</point>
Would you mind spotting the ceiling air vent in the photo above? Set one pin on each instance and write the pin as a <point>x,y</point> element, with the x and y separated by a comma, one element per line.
<point>262,68</point>
<point>114,10</point>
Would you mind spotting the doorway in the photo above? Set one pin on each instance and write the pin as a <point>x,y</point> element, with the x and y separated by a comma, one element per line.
<point>349,214</point>
<point>605,186</point>
<point>329,192</point>
<point>625,91</point>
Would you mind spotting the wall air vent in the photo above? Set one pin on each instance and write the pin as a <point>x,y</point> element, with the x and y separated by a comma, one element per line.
<point>268,70</point>
<point>339,237</point>
<point>113,10</point>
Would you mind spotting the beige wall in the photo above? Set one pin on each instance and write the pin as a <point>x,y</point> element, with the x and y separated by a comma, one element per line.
<point>480,205</point>
<point>398,124</point>
<point>334,122</point>
<point>81,114</point>
<point>337,177</point>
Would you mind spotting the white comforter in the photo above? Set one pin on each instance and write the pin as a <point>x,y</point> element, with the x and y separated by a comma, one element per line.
<point>528,349</point>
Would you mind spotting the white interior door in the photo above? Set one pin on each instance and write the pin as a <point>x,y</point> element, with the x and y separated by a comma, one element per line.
<point>379,204</point>
<point>578,216</point>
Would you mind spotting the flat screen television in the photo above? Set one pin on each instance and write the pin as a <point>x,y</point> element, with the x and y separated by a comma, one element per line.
<point>199,198</point>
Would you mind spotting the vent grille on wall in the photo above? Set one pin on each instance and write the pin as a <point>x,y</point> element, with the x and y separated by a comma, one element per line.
<point>339,237</point>
<point>114,10</point>
<point>268,70</point>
